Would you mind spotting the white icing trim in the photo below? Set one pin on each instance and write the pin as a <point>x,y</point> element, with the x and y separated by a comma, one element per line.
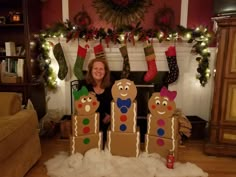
<point>137,144</point>
<point>134,124</point>
<point>109,141</point>
<point>99,140</point>
<point>113,117</point>
<point>73,145</point>
<point>149,123</point>
<point>173,133</point>
<point>147,142</point>
<point>96,121</point>
<point>76,127</point>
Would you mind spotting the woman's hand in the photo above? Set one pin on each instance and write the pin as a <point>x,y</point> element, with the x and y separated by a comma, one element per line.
<point>107,119</point>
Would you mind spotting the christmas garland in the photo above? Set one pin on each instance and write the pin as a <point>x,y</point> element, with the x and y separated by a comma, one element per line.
<point>200,37</point>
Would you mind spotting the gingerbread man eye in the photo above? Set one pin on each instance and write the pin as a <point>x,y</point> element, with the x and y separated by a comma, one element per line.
<point>157,102</point>
<point>120,87</point>
<point>89,99</point>
<point>164,103</point>
<point>83,100</point>
<point>126,87</point>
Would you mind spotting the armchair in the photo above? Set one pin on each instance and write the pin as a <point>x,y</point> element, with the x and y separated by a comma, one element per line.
<point>19,140</point>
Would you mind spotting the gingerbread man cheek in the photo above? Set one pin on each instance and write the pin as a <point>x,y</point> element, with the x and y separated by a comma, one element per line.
<point>94,103</point>
<point>153,106</point>
<point>169,108</point>
<point>79,105</point>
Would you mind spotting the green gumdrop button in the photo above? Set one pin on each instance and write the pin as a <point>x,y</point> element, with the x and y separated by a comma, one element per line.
<point>86,141</point>
<point>86,121</point>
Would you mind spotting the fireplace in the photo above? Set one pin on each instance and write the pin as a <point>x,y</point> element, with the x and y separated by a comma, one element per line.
<point>190,95</point>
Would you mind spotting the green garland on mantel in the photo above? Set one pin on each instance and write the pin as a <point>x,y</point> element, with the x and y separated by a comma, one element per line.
<point>199,37</point>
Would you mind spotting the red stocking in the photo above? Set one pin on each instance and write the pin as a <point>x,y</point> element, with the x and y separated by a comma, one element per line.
<point>172,64</point>
<point>151,62</point>
<point>99,51</point>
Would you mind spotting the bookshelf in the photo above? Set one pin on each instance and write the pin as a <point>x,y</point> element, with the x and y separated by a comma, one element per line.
<point>20,21</point>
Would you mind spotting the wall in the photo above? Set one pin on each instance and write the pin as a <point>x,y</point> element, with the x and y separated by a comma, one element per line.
<point>199,13</point>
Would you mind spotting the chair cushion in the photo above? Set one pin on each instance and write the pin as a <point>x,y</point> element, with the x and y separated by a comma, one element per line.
<point>10,103</point>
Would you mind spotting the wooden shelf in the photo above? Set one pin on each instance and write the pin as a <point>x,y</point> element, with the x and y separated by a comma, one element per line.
<point>20,84</point>
<point>12,57</point>
<point>12,25</point>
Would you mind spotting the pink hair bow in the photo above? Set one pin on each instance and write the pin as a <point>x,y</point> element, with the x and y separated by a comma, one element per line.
<point>169,94</point>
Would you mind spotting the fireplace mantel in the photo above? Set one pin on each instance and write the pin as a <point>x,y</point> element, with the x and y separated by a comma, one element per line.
<point>190,94</point>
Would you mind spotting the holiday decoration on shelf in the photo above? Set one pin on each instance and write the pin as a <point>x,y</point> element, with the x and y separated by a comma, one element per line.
<point>172,64</point>
<point>59,55</point>
<point>151,62</point>
<point>78,67</point>
<point>126,65</point>
<point>199,37</point>
<point>121,12</point>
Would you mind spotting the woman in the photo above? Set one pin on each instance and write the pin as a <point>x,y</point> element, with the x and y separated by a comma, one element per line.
<point>97,80</point>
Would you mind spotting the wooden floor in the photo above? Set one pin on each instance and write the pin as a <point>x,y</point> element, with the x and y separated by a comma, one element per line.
<point>191,151</point>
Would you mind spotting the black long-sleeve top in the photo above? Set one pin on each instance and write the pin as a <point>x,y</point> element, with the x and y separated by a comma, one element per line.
<point>104,98</point>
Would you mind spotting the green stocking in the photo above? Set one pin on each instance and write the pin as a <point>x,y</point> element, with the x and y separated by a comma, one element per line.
<point>78,67</point>
<point>126,66</point>
<point>59,55</point>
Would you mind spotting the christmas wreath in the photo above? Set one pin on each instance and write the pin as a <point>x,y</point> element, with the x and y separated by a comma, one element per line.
<point>164,19</point>
<point>121,12</point>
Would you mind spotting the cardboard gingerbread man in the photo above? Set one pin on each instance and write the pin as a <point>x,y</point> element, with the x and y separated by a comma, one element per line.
<point>124,138</point>
<point>85,123</point>
<point>162,126</point>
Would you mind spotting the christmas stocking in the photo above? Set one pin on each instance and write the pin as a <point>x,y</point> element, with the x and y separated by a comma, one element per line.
<point>59,55</point>
<point>151,62</point>
<point>78,67</point>
<point>172,64</point>
<point>126,65</point>
<point>99,52</point>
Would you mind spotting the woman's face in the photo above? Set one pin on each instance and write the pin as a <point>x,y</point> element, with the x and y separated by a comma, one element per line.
<point>98,71</point>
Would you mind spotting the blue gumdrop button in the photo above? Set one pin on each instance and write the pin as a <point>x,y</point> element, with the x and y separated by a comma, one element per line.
<point>160,132</point>
<point>124,109</point>
<point>123,127</point>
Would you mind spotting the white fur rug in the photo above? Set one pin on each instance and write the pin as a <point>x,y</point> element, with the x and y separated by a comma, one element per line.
<point>97,163</point>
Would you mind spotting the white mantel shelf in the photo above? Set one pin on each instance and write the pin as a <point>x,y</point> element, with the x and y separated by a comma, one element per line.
<point>190,94</point>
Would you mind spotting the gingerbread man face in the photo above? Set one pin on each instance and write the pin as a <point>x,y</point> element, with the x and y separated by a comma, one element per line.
<point>161,104</point>
<point>86,103</point>
<point>124,89</point>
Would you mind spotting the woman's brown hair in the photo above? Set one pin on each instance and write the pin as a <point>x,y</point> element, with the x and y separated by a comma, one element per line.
<point>106,80</point>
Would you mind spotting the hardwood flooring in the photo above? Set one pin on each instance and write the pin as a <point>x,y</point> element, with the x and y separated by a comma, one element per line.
<point>191,151</point>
